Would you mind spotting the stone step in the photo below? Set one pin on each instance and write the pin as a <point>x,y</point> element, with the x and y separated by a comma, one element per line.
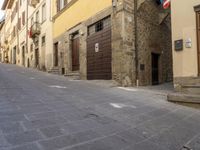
<point>73,75</point>
<point>191,89</point>
<point>54,71</point>
<point>190,81</point>
<point>57,73</point>
<point>184,98</point>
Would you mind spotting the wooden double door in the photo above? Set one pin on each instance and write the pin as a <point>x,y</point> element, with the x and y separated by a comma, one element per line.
<point>75,53</point>
<point>99,55</point>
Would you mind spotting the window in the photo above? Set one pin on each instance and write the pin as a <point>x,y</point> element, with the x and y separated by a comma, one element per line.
<point>31,47</point>
<point>43,40</point>
<point>13,32</point>
<point>65,2</point>
<point>37,17</point>
<point>32,21</point>
<point>61,4</point>
<point>37,42</point>
<point>99,26</point>
<point>43,12</point>
<point>19,23</point>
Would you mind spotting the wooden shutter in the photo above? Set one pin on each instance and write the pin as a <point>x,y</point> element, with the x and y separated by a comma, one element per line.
<point>65,2</point>
<point>19,23</point>
<point>58,5</point>
<point>17,6</point>
<point>14,31</point>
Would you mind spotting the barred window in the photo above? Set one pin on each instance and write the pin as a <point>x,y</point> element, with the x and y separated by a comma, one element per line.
<point>100,25</point>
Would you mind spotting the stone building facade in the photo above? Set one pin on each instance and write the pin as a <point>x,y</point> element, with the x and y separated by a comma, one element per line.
<point>125,40</point>
<point>154,40</point>
<point>40,41</point>
<point>140,32</point>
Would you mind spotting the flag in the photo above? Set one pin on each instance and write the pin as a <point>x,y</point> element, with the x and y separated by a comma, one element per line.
<point>166,4</point>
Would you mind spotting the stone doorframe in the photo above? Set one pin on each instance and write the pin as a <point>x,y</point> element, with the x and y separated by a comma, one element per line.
<point>68,36</point>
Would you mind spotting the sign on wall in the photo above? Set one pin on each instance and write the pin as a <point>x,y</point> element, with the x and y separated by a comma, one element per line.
<point>97,47</point>
<point>178,45</point>
<point>188,43</point>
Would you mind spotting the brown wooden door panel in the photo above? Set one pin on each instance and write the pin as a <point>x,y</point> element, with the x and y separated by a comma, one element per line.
<point>75,54</point>
<point>56,54</point>
<point>99,63</point>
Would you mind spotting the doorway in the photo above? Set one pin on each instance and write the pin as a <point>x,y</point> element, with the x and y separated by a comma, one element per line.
<point>198,40</point>
<point>36,57</point>
<point>14,55</point>
<point>28,63</point>
<point>56,54</point>
<point>155,68</point>
<point>75,52</point>
<point>99,51</point>
<point>23,56</point>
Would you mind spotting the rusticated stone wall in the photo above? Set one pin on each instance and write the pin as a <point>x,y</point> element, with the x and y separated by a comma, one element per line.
<point>123,46</point>
<point>154,36</point>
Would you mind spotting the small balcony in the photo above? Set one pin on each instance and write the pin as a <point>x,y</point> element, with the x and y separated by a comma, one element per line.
<point>33,3</point>
<point>35,30</point>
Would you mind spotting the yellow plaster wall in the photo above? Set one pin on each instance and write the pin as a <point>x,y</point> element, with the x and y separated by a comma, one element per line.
<point>78,12</point>
<point>185,63</point>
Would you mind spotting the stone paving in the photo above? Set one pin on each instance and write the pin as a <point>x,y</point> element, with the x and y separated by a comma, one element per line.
<point>39,111</point>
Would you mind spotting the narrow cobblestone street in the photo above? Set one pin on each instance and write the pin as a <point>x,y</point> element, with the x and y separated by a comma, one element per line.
<point>40,111</point>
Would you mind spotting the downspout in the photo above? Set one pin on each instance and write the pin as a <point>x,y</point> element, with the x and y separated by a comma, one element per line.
<point>136,42</point>
<point>18,51</point>
<point>51,22</point>
<point>51,11</point>
<point>27,32</point>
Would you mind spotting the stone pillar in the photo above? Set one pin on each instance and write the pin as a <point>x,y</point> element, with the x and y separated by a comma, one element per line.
<point>83,52</point>
<point>123,43</point>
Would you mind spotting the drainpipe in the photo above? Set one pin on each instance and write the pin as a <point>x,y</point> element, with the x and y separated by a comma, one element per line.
<point>18,51</point>
<point>51,11</point>
<point>136,42</point>
<point>27,33</point>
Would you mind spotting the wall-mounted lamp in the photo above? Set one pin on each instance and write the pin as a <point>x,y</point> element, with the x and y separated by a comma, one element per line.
<point>81,32</point>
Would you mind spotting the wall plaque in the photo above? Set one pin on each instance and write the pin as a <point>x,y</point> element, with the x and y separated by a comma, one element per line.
<point>97,47</point>
<point>178,45</point>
